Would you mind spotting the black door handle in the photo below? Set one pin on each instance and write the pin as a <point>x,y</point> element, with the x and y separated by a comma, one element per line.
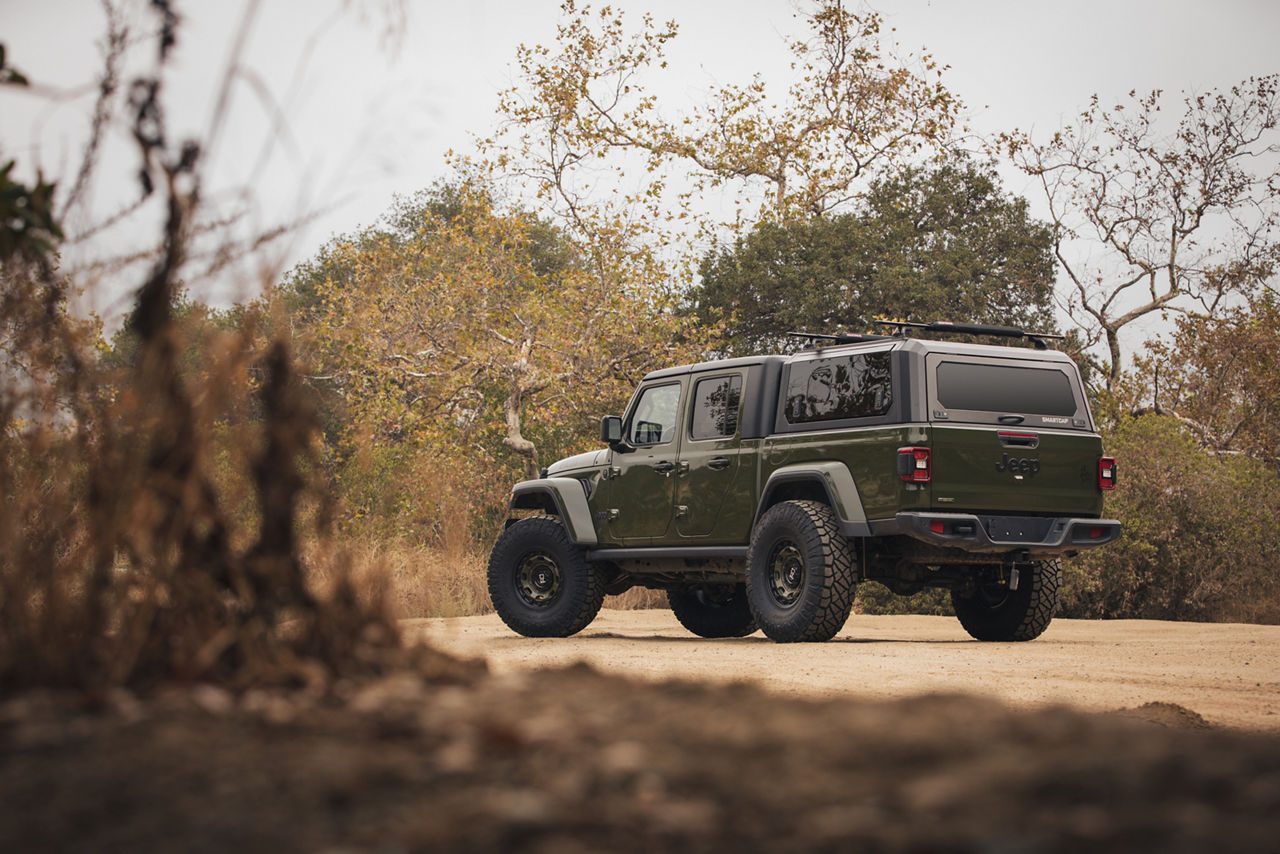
<point>664,467</point>
<point>718,463</point>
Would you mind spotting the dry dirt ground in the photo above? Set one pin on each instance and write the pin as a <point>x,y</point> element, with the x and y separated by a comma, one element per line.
<point>454,756</point>
<point>1228,674</point>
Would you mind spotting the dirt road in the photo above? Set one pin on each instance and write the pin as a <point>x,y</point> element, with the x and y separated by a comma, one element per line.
<point>1228,674</point>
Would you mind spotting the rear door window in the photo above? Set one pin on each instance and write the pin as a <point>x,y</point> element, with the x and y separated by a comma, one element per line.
<point>715,407</point>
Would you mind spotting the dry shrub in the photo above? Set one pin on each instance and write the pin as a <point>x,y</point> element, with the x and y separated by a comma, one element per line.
<point>156,503</point>
<point>123,558</point>
<point>1201,538</point>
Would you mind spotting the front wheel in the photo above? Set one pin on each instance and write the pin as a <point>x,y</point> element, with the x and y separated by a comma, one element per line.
<point>800,574</point>
<point>713,610</point>
<point>990,611</point>
<point>540,582</point>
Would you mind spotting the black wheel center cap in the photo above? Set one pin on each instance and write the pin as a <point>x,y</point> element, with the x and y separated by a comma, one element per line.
<point>793,572</point>
<point>542,579</point>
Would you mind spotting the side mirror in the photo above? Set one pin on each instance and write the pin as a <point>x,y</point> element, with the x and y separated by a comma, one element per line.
<point>611,430</point>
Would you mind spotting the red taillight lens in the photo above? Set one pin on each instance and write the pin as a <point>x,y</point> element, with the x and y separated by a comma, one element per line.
<point>1107,473</point>
<point>914,465</point>
<point>938,526</point>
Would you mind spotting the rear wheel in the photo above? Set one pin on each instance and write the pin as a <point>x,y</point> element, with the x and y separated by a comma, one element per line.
<point>540,582</point>
<point>800,577</point>
<point>713,610</point>
<point>990,611</point>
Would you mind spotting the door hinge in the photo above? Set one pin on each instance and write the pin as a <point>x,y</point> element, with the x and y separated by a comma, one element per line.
<point>612,472</point>
<point>682,510</point>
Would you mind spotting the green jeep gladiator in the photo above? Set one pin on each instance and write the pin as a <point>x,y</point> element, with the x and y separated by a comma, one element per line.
<point>759,491</point>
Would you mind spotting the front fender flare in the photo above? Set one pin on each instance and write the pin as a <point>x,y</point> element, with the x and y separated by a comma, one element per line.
<point>569,498</point>
<point>834,479</point>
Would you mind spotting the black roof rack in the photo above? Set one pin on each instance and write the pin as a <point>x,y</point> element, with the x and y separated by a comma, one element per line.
<point>946,327</point>
<point>838,338</point>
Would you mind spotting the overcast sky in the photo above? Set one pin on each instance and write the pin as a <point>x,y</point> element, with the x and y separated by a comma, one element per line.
<point>369,117</point>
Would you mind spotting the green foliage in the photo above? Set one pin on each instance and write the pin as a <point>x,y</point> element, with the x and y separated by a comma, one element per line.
<point>28,227</point>
<point>1201,539</point>
<point>928,243</point>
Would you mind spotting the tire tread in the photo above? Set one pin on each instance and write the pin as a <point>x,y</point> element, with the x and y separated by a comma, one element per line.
<point>585,600</point>
<point>835,601</point>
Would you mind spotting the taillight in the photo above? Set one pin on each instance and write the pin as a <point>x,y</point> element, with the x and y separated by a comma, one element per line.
<point>1107,473</point>
<point>914,465</point>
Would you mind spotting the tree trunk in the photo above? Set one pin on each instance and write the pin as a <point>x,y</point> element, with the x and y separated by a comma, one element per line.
<point>1113,345</point>
<point>511,408</point>
<point>514,440</point>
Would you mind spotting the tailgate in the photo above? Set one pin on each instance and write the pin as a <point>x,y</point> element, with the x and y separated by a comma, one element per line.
<point>982,469</point>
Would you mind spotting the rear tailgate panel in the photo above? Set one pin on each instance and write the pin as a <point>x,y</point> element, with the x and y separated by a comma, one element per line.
<point>975,471</point>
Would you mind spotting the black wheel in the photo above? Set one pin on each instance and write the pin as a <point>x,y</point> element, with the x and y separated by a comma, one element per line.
<point>990,611</point>
<point>540,582</point>
<point>713,610</point>
<point>800,576</point>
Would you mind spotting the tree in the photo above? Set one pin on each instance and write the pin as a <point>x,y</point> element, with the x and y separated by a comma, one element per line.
<point>581,106</point>
<point>929,243</point>
<point>1146,220</point>
<point>1220,378</point>
<point>459,325</point>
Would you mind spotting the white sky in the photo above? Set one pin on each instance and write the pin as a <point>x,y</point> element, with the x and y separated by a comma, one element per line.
<point>365,122</point>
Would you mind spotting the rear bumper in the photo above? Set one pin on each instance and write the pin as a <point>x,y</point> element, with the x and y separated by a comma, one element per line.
<point>1039,536</point>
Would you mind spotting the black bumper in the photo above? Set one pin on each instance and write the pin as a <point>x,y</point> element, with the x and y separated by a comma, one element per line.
<point>1039,536</point>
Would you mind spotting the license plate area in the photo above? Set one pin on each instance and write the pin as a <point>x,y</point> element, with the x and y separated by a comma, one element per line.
<point>1017,529</point>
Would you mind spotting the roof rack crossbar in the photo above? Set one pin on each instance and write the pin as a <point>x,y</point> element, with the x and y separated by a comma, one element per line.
<point>949,328</point>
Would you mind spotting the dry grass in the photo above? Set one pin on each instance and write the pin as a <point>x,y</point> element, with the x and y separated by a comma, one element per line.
<point>434,582</point>
<point>425,582</point>
<point>637,599</point>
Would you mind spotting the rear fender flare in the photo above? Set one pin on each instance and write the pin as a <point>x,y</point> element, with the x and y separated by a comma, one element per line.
<point>565,497</point>
<point>834,479</point>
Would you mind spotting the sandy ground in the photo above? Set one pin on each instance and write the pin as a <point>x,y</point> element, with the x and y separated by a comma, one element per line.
<point>1228,674</point>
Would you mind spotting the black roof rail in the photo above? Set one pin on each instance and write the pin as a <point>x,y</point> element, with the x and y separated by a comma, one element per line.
<point>946,327</point>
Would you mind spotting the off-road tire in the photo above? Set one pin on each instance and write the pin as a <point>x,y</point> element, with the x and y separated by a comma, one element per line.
<point>713,610</point>
<point>800,574</point>
<point>540,582</point>
<point>991,613</point>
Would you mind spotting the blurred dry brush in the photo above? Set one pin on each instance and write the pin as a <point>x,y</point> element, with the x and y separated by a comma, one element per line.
<point>156,513</point>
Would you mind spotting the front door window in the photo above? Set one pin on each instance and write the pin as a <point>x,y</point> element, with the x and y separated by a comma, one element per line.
<point>654,422</point>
